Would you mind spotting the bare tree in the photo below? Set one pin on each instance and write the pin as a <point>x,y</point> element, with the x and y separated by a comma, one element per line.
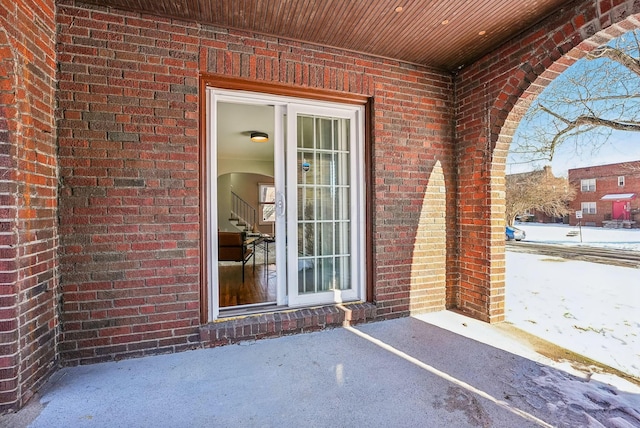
<point>580,109</point>
<point>538,190</point>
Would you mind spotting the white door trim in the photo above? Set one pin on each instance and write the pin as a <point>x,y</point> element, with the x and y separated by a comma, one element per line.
<point>282,105</point>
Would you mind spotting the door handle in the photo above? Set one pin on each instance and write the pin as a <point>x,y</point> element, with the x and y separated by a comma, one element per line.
<point>280,204</point>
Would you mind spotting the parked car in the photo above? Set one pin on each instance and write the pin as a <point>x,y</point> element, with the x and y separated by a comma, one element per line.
<point>514,233</point>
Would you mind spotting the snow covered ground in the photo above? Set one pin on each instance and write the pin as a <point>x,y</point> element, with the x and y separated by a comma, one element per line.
<point>590,308</point>
<point>569,396</point>
<point>625,239</point>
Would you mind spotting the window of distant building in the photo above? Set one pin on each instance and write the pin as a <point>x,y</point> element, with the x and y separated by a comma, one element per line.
<point>621,181</point>
<point>588,207</point>
<point>588,185</point>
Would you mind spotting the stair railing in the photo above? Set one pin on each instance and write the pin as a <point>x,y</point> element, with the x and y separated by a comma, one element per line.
<point>243,213</point>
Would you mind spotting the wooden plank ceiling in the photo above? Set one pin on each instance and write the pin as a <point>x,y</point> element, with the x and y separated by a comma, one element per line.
<point>444,34</point>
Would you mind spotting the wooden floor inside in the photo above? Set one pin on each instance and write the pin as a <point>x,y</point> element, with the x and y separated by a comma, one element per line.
<point>258,286</point>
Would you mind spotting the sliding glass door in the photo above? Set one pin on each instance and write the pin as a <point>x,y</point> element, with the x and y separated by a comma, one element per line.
<point>317,191</point>
<point>323,205</point>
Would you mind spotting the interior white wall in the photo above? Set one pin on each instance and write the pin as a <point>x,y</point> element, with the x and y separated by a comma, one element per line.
<point>227,166</point>
<point>244,185</point>
<point>224,203</point>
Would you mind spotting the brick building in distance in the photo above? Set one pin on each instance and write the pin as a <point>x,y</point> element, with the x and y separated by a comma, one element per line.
<point>607,195</point>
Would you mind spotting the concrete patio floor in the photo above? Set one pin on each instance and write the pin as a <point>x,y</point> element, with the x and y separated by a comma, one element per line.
<point>433,370</point>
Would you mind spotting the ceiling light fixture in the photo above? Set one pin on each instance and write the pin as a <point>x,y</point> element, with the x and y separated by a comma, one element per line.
<point>399,9</point>
<point>259,137</point>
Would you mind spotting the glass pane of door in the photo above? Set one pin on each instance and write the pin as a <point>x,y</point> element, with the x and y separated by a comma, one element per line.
<point>245,186</point>
<point>320,159</point>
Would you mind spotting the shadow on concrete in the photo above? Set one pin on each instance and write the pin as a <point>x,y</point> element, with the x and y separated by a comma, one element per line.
<point>409,372</point>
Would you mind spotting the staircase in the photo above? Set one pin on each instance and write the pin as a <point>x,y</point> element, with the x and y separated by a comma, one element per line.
<point>619,223</point>
<point>243,215</point>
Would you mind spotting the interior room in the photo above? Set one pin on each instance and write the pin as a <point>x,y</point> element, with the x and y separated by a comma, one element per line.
<point>245,205</point>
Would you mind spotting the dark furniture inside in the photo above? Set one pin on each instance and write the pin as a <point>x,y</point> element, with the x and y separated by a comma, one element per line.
<point>232,247</point>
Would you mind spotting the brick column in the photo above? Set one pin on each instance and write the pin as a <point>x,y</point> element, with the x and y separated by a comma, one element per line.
<point>8,234</point>
<point>28,190</point>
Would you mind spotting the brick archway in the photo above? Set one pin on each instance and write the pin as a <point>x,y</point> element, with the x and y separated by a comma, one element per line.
<point>494,94</point>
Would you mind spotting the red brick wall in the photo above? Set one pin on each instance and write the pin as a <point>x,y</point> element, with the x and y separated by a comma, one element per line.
<point>128,152</point>
<point>606,183</point>
<point>28,190</point>
<point>492,95</point>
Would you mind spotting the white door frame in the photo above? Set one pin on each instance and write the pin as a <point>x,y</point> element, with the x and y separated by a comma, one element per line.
<point>282,104</point>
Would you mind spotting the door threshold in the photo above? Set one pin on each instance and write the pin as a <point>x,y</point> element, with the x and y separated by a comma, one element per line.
<point>258,308</point>
<point>276,321</point>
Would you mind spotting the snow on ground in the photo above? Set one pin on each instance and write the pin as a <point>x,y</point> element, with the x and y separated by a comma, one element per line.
<point>570,396</point>
<point>624,239</point>
<point>589,308</point>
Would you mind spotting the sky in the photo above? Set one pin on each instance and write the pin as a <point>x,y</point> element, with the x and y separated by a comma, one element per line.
<point>620,147</point>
